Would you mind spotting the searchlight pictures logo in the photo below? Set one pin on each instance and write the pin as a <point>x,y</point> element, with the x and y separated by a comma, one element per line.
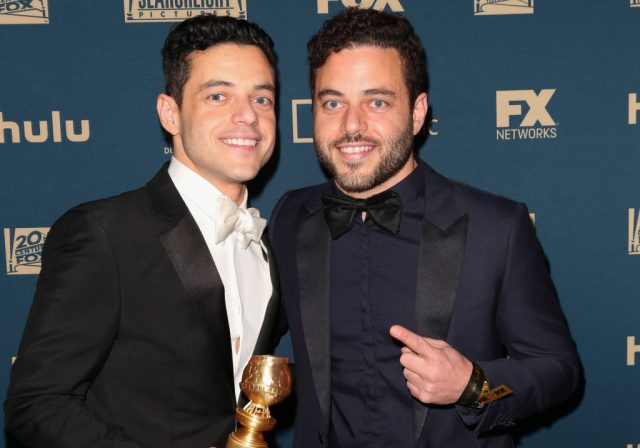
<point>634,3</point>
<point>138,11</point>
<point>24,12</point>
<point>23,249</point>
<point>502,7</point>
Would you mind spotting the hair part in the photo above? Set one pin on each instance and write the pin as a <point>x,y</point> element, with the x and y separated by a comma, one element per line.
<point>201,33</point>
<point>355,27</point>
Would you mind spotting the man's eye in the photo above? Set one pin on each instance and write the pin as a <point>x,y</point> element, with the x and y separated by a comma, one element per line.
<point>217,97</point>
<point>378,104</point>
<point>332,104</point>
<point>264,101</point>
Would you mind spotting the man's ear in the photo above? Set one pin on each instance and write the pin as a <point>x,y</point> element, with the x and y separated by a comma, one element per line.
<point>168,112</point>
<point>420,108</point>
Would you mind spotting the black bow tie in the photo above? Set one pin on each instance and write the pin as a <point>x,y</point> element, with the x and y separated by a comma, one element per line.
<point>385,209</point>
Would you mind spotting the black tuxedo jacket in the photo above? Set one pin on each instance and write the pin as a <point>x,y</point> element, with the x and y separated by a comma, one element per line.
<point>127,343</point>
<point>483,286</point>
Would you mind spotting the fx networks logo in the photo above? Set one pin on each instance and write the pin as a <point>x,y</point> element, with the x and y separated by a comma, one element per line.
<point>17,12</point>
<point>302,121</point>
<point>44,126</point>
<point>136,11</point>
<point>23,249</point>
<point>634,231</point>
<point>501,7</point>
<point>380,5</point>
<point>535,123</point>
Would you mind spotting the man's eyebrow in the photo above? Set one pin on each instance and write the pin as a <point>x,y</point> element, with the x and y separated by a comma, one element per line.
<point>380,91</point>
<point>218,83</point>
<point>329,92</point>
<point>215,83</point>
<point>266,86</point>
<point>368,92</point>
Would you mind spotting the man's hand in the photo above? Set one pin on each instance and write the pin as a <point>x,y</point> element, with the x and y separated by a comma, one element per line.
<point>436,373</point>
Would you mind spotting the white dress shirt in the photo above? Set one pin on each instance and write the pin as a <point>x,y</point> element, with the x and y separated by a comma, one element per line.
<point>244,272</point>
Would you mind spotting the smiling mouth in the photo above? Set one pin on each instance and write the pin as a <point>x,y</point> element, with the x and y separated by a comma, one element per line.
<point>355,149</point>
<point>240,141</point>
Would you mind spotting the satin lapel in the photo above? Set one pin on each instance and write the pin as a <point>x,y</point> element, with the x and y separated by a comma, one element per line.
<point>266,339</point>
<point>192,262</point>
<point>195,267</point>
<point>442,245</point>
<point>313,259</point>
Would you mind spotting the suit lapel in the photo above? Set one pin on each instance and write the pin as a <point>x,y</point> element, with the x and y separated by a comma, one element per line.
<point>442,246</point>
<point>313,256</point>
<point>192,261</point>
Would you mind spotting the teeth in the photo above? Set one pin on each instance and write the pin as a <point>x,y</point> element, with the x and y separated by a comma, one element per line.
<point>355,149</point>
<point>240,141</point>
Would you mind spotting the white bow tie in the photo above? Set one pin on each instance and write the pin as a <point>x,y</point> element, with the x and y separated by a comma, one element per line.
<point>247,223</point>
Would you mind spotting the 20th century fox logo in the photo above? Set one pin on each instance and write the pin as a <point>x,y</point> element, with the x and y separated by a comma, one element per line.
<point>634,231</point>
<point>178,10</point>
<point>17,12</point>
<point>23,249</point>
<point>524,115</point>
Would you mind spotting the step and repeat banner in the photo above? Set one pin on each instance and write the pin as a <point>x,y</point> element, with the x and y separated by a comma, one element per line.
<point>532,99</point>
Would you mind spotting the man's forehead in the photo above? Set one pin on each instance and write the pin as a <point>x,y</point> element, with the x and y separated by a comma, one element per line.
<point>229,65</point>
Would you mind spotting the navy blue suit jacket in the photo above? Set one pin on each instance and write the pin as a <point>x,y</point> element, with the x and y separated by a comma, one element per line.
<point>483,286</point>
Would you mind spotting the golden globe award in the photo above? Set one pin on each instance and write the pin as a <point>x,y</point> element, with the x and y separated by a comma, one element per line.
<point>265,381</point>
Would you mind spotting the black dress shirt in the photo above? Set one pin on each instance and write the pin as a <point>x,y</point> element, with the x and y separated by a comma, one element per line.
<point>373,286</point>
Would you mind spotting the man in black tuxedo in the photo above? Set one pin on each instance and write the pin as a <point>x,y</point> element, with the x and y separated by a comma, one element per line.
<point>149,304</point>
<point>421,310</point>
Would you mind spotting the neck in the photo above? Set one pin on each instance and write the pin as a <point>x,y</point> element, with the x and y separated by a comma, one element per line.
<point>233,190</point>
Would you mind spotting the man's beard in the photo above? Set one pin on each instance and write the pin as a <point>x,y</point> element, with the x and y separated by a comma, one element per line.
<point>394,154</point>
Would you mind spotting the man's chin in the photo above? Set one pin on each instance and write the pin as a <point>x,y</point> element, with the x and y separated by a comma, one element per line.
<point>353,185</point>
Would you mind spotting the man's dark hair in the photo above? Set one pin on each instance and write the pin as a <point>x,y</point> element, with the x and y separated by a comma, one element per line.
<point>201,33</point>
<point>355,27</point>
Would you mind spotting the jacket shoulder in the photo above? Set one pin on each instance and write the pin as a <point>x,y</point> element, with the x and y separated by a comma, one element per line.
<point>291,206</point>
<point>295,200</point>
<point>479,202</point>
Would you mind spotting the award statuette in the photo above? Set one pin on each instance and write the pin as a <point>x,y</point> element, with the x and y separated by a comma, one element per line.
<point>265,381</point>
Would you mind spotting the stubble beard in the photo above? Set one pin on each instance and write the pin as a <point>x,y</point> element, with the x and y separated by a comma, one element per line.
<point>394,154</point>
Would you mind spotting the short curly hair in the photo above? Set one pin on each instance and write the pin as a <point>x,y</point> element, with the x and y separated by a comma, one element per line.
<point>201,33</point>
<point>355,27</point>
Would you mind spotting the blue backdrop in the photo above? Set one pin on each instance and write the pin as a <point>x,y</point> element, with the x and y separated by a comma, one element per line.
<point>536,100</point>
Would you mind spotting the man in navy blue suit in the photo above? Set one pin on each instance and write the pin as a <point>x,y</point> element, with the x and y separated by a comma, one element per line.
<point>421,310</point>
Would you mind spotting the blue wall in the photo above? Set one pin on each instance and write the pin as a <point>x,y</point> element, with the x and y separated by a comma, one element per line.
<point>568,69</point>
